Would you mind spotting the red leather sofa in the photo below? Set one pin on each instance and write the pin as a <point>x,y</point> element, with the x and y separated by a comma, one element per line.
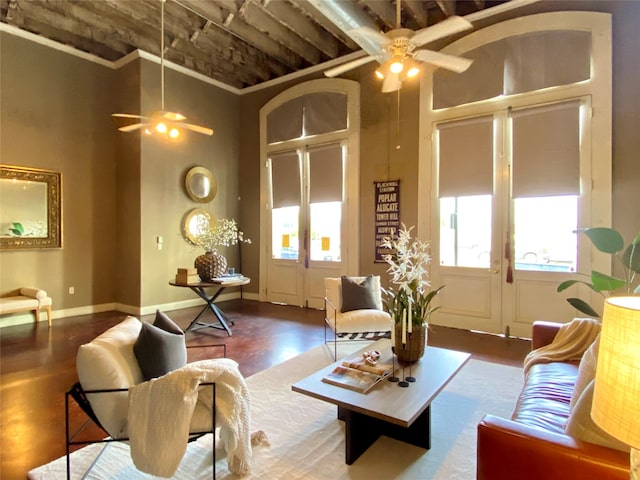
<point>532,444</point>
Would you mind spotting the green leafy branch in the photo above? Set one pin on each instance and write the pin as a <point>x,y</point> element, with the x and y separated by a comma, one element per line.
<point>608,240</point>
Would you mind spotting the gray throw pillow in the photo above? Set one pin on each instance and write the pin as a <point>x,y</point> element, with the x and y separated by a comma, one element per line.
<point>357,296</point>
<point>160,347</point>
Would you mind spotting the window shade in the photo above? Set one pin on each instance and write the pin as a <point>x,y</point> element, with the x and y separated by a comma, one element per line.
<point>546,150</point>
<point>324,112</point>
<point>325,174</point>
<point>285,121</point>
<point>285,180</point>
<point>518,64</point>
<point>466,157</point>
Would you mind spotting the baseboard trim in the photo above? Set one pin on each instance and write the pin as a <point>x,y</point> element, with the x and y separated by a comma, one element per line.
<point>12,320</point>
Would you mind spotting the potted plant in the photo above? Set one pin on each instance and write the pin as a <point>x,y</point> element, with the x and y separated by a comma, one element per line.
<point>608,240</point>
<point>210,235</point>
<point>409,300</point>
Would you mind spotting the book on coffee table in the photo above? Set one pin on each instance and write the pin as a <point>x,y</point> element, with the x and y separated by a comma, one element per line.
<point>382,367</point>
<point>352,378</point>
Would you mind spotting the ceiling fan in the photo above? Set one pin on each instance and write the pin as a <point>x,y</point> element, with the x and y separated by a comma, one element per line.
<point>398,54</point>
<point>162,122</point>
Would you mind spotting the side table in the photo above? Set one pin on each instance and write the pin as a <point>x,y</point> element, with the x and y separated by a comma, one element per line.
<point>223,321</point>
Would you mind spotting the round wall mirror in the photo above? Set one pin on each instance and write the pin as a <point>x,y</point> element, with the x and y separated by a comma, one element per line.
<point>194,222</point>
<point>200,184</point>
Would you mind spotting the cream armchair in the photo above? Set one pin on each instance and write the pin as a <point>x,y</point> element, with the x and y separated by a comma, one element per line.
<point>108,367</point>
<point>342,314</point>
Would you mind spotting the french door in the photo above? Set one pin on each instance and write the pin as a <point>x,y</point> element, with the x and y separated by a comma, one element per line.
<point>306,228</point>
<point>510,197</point>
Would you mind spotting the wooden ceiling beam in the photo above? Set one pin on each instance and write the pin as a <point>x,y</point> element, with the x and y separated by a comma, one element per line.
<point>302,26</point>
<point>383,9</point>
<point>417,10</point>
<point>312,13</point>
<point>267,24</point>
<point>230,22</point>
<point>448,7</point>
<point>71,30</point>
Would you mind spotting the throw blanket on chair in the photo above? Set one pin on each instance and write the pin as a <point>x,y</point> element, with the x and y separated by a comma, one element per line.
<point>160,412</point>
<point>569,344</point>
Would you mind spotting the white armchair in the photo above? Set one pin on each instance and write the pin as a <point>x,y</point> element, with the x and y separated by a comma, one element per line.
<point>342,315</point>
<point>107,368</point>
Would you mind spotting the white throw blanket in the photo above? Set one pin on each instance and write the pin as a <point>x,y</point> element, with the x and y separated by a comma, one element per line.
<point>569,344</point>
<point>160,412</point>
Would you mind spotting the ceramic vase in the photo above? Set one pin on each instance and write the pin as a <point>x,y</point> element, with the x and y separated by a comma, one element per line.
<point>413,350</point>
<point>210,265</point>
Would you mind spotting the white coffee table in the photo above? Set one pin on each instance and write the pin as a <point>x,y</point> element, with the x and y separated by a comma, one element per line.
<point>387,409</point>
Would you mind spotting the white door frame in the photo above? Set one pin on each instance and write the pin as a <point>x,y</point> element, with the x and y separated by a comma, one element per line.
<point>598,88</point>
<point>351,137</point>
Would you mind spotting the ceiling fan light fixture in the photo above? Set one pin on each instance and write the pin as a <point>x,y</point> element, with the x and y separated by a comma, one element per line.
<point>168,124</point>
<point>397,64</point>
<point>413,69</point>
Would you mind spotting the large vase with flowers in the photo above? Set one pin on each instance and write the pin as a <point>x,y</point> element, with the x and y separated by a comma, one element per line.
<point>210,235</point>
<point>408,299</point>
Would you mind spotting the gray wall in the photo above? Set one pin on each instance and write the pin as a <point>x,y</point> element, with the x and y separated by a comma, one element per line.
<point>55,115</point>
<point>120,191</point>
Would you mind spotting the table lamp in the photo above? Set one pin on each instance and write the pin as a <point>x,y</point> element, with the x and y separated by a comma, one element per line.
<point>616,398</point>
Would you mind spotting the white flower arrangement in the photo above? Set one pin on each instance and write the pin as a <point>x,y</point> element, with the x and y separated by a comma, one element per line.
<point>222,233</point>
<point>408,266</point>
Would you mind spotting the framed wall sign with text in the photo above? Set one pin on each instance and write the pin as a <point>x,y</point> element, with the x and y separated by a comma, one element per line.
<point>387,214</point>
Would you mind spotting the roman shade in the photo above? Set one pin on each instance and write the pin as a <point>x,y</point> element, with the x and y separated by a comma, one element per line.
<point>285,179</point>
<point>546,150</point>
<point>466,157</point>
<point>325,172</point>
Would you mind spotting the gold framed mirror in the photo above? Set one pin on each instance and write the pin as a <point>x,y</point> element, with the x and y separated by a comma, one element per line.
<point>30,208</point>
<point>200,184</point>
<point>194,221</point>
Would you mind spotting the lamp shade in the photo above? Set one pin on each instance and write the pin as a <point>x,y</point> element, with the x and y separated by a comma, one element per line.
<point>616,398</point>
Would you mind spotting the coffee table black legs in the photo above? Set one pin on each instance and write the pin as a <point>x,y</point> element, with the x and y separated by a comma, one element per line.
<point>222,320</point>
<point>362,430</point>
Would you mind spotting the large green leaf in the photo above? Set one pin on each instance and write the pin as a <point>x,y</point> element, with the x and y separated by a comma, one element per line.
<point>583,307</point>
<point>568,283</point>
<point>605,239</point>
<point>631,256</point>
<point>605,283</point>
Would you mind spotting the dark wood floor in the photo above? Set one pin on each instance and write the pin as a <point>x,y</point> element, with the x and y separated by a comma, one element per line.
<point>38,365</point>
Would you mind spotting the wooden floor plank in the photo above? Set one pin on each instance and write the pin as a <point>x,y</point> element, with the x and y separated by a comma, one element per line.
<point>38,364</point>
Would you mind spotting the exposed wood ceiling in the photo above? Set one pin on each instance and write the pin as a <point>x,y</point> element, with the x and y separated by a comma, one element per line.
<point>240,43</point>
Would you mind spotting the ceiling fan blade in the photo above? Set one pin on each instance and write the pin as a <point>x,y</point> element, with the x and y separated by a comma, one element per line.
<point>442,29</point>
<point>391,83</point>
<point>131,128</point>
<point>443,60</point>
<point>369,35</point>
<point>173,116</point>
<point>126,115</point>
<point>196,128</point>
<point>345,67</point>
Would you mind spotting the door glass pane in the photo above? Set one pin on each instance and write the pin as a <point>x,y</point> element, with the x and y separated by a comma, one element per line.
<point>544,237</point>
<point>465,231</point>
<point>285,238</point>
<point>325,231</point>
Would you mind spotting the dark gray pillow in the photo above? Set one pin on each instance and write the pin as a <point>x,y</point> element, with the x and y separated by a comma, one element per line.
<point>357,296</point>
<point>160,348</point>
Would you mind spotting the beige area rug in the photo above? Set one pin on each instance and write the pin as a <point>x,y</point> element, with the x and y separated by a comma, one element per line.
<point>307,441</point>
